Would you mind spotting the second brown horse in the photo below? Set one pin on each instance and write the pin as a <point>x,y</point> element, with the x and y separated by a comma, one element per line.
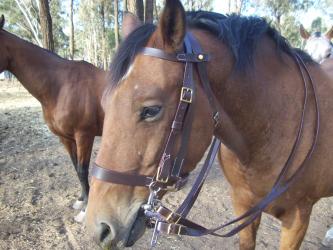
<point>69,92</point>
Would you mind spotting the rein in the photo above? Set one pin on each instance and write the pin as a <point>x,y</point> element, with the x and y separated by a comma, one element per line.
<point>169,175</point>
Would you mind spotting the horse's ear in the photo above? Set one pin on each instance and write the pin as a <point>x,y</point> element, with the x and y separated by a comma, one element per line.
<point>304,32</point>
<point>2,21</point>
<point>329,34</point>
<point>172,25</point>
<point>130,23</point>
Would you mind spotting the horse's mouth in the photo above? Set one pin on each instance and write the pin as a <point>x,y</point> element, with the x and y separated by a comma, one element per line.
<point>137,230</point>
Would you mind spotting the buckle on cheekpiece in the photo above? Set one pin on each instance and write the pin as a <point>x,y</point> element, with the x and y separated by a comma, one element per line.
<point>186,95</point>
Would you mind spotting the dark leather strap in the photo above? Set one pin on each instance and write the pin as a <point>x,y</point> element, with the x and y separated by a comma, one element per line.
<point>167,165</point>
<point>205,80</point>
<point>180,57</point>
<point>130,179</point>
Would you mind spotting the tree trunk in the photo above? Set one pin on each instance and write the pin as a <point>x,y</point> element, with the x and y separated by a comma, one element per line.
<point>104,47</point>
<point>136,7</point>
<point>46,24</point>
<point>156,10</point>
<point>149,11</point>
<point>116,24</point>
<point>239,6</point>
<point>33,29</point>
<point>125,5</point>
<point>95,48</point>
<point>71,36</point>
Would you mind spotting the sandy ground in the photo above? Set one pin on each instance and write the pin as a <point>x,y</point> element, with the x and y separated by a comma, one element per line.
<point>38,186</point>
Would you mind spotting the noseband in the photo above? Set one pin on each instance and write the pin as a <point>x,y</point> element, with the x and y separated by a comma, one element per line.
<point>170,176</point>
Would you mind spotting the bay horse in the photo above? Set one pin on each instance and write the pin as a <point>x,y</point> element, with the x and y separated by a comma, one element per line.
<point>259,92</point>
<point>69,92</point>
<point>318,45</point>
<point>327,65</point>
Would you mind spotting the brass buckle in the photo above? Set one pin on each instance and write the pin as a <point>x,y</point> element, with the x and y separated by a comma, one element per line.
<point>183,93</point>
<point>161,179</point>
<point>170,215</point>
<point>170,227</point>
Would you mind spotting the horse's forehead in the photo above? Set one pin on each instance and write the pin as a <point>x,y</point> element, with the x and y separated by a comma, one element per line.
<point>147,69</point>
<point>317,45</point>
<point>146,75</point>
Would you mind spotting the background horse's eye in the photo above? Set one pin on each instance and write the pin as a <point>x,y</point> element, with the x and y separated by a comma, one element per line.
<point>149,113</point>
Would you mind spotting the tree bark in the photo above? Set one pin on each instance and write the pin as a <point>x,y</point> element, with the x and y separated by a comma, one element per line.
<point>149,11</point>
<point>156,10</point>
<point>71,36</point>
<point>46,24</point>
<point>125,6</point>
<point>104,47</point>
<point>116,24</point>
<point>136,7</point>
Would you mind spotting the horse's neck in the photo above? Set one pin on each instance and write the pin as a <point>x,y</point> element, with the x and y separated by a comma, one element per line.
<point>34,67</point>
<point>261,109</point>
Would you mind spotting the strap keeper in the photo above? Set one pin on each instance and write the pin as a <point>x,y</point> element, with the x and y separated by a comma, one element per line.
<point>217,119</point>
<point>173,218</point>
<point>177,125</point>
<point>172,227</point>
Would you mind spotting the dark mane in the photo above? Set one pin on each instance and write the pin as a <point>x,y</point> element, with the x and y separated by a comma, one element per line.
<point>127,51</point>
<point>240,33</point>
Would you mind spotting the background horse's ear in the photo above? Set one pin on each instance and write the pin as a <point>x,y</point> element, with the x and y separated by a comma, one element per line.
<point>304,32</point>
<point>130,23</point>
<point>172,25</point>
<point>329,34</point>
<point>2,21</point>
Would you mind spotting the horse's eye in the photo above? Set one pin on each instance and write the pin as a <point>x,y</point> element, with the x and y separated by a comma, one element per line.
<point>149,113</point>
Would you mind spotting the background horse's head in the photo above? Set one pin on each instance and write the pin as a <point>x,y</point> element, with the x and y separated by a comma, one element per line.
<point>3,51</point>
<point>139,110</point>
<point>318,45</point>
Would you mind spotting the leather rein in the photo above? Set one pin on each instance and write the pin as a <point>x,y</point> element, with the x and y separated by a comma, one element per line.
<point>169,176</point>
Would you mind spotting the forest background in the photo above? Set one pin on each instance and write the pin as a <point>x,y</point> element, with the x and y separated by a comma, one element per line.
<point>89,29</point>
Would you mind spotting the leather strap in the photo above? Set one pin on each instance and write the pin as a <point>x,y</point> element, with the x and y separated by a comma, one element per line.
<point>183,116</point>
<point>179,57</point>
<point>130,179</point>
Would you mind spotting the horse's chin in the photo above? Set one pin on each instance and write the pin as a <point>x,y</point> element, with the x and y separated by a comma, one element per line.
<point>137,230</point>
<point>126,238</point>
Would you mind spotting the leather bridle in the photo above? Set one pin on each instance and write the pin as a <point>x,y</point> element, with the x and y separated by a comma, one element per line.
<point>170,174</point>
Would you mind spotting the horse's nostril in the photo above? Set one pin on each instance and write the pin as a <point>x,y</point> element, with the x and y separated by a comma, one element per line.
<point>105,232</point>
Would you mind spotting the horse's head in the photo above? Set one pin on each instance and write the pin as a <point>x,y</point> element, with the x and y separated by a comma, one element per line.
<point>3,51</point>
<point>318,45</point>
<point>139,110</point>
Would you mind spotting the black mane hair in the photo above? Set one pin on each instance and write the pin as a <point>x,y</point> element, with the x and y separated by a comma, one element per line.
<point>240,34</point>
<point>127,51</point>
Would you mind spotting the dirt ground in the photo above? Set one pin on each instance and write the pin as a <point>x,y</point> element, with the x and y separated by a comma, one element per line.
<point>38,186</point>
